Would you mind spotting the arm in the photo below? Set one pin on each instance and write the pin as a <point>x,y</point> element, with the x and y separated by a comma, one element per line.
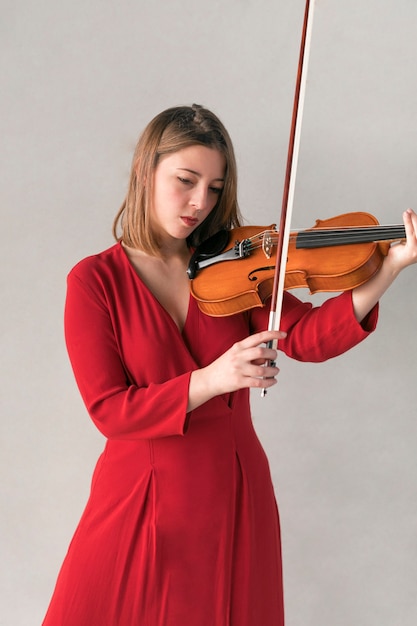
<point>125,406</point>
<point>308,333</point>
<point>120,407</point>
<point>399,256</point>
<point>317,333</point>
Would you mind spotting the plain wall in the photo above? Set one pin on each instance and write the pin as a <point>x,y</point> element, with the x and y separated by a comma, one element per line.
<point>79,81</point>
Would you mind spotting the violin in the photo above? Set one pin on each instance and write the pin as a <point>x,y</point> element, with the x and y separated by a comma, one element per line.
<point>234,270</point>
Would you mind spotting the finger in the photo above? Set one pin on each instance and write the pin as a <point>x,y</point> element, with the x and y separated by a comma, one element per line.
<point>264,382</point>
<point>259,355</point>
<point>251,373</point>
<point>263,337</point>
<point>410,223</point>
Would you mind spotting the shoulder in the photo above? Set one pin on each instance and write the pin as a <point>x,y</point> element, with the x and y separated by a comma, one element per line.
<point>104,275</point>
<point>103,263</point>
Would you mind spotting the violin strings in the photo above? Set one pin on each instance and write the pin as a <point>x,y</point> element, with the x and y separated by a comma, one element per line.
<point>322,237</point>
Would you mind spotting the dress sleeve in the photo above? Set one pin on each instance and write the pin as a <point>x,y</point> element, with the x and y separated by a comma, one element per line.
<point>319,333</point>
<point>119,409</point>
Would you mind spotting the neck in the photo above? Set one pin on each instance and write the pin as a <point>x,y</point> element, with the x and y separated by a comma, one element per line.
<point>172,251</point>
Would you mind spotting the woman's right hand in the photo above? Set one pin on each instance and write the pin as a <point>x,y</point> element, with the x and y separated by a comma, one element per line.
<point>245,364</point>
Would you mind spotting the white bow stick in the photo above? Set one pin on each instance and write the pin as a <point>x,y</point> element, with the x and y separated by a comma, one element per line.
<point>290,175</point>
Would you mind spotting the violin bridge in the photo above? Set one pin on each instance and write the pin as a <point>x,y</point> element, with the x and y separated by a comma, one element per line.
<point>267,244</point>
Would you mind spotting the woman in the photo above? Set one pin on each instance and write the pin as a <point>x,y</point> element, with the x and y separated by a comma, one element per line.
<point>181,527</point>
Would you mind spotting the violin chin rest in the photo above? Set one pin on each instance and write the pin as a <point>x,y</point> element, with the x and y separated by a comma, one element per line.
<point>208,249</point>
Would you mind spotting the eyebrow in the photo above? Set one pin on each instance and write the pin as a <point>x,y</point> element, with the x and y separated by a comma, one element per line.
<point>186,169</point>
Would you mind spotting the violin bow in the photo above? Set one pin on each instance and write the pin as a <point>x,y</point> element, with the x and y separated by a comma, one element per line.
<point>290,175</point>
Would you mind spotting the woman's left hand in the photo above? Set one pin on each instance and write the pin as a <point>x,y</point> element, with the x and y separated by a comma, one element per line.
<point>400,255</point>
<point>403,254</point>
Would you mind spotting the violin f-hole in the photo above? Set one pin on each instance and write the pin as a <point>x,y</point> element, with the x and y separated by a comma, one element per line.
<point>252,275</point>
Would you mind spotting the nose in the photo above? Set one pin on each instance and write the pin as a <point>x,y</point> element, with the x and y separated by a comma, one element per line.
<point>199,199</point>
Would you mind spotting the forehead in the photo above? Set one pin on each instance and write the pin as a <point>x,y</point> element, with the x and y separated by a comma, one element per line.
<point>200,159</point>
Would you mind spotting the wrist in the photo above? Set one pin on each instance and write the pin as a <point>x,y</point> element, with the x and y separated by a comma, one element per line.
<point>200,389</point>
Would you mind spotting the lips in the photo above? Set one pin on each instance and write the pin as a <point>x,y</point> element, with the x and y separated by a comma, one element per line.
<point>189,221</point>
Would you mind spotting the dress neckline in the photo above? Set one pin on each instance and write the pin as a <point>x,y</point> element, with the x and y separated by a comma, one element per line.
<point>137,277</point>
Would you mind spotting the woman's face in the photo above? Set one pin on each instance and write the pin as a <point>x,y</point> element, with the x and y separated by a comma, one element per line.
<point>187,186</point>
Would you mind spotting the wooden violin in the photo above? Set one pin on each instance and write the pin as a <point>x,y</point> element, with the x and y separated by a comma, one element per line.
<point>234,270</point>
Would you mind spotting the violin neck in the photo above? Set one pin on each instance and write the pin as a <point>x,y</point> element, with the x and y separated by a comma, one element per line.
<point>325,237</point>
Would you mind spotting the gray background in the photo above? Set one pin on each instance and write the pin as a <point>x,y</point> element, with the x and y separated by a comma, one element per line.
<point>79,80</point>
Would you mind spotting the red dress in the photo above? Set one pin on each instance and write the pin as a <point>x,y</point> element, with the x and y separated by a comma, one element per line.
<point>181,527</point>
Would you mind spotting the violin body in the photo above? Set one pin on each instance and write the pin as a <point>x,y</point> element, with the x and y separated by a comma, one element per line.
<point>241,276</point>
<point>230,287</point>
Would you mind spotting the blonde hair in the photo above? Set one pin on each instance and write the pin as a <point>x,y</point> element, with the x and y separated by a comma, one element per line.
<point>172,130</point>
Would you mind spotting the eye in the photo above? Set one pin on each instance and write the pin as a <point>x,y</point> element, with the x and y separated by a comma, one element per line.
<point>184,181</point>
<point>216,190</point>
